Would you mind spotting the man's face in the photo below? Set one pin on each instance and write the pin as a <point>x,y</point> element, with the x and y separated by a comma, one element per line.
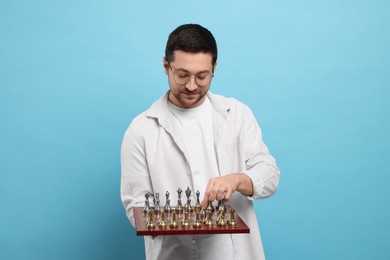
<point>195,65</point>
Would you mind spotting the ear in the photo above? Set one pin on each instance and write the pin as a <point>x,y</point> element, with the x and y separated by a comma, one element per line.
<point>166,65</point>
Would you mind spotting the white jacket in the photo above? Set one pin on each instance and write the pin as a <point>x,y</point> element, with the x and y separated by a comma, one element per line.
<point>154,159</point>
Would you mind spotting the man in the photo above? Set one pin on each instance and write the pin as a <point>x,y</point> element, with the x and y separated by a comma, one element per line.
<point>193,138</point>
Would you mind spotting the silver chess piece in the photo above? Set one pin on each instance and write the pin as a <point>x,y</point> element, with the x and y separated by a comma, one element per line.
<point>179,205</point>
<point>221,204</point>
<point>157,202</point>
<point>147,203</point>
<point>197,204</point>
<point>167,207</point>
<point>188,204</point>
<point>202,214</point>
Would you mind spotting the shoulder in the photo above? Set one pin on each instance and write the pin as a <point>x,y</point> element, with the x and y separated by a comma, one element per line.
<point>148,119</point>
<point>232,105</point>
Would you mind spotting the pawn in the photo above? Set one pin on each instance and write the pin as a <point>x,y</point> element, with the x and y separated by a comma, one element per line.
<point>231,220</point>
<point>197,222</point>
<point>210,207</point>
<point>221,217</point>
<point>208,220</point>
<point>150,223</point>
<point>162,223</point>
<point>173,223</point>
<point>186,221</point>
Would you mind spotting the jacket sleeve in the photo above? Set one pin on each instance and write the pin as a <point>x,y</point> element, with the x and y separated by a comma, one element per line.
<point>260,165</point>
<point>135,178</point>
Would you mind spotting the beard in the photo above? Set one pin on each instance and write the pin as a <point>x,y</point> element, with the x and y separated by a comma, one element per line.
<point>186,99</point>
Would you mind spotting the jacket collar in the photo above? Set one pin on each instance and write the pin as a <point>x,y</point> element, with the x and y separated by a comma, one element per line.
<point>161,112</point>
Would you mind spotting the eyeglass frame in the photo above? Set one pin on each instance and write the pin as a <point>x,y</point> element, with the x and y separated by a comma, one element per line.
<point>195,76</point>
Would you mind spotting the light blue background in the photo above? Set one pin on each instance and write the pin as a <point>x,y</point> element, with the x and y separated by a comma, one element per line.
<point>74,73</point>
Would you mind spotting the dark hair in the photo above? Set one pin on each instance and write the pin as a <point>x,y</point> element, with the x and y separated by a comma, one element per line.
<point>191,38</point>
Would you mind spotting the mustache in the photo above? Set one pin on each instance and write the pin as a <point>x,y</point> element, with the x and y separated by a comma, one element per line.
<point>190,92</point>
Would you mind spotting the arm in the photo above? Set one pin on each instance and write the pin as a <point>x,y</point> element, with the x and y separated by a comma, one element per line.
<point>260,177</point>
<point>224,186</point>
<point>260,165</point>
<point>135,179</point>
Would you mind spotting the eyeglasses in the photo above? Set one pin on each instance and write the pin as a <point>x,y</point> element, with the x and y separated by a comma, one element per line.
<point>201,79</point>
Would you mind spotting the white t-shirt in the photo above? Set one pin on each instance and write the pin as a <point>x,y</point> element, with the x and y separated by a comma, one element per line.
<point>197,127</point>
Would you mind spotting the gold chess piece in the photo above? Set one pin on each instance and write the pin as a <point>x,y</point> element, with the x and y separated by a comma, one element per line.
<point>208,220</point>
<point>221,217</point>
<point>197,223</point>
<point>162,223</point>
<point>231,220</point>
<point>149,222</point>
<point>186,207</point>
<point>174,223</point>
<point>210,207</point>
<point>186,222</point>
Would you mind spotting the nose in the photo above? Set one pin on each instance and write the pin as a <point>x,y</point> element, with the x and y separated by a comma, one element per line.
<point>191,84</point>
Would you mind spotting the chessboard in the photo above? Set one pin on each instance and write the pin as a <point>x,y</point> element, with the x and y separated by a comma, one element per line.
<point>157,223</point>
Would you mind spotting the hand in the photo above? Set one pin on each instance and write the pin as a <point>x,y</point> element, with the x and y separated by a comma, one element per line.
<point>224,186</point>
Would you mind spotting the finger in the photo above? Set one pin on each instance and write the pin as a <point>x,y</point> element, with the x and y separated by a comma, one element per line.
<point>220,194</point>
<point>228,193</point>
<point>215,192</point>
<point>206,196</point>
<point>204,204</point>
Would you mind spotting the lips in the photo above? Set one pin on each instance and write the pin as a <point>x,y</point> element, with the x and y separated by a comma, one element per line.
<point>190,93</point>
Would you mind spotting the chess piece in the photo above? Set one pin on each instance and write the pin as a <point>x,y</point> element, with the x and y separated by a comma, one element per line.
<point>186,221</point>
<point>150,222</point>
<point>179,205</point>
<point>162,223</point>
<point>221,217</point>
<point>147,203</point>
<point>221,204</point>
<point>218,205</point>
<point>188,192</point>
<point>188,204</point>
<point>210,207</point>
<point>157,202</point>
<point>231,220</point>
<point>202,214</point>
<point>167,207</point>
<point>197,204</point>
<point>173,223</point>
<point>197,222</point>
<point>208,221</point>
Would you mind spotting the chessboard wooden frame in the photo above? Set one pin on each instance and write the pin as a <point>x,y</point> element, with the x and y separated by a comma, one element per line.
<point>142,230</point>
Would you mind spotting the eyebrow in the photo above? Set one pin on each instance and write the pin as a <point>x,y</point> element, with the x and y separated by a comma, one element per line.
<point>200,72</point>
